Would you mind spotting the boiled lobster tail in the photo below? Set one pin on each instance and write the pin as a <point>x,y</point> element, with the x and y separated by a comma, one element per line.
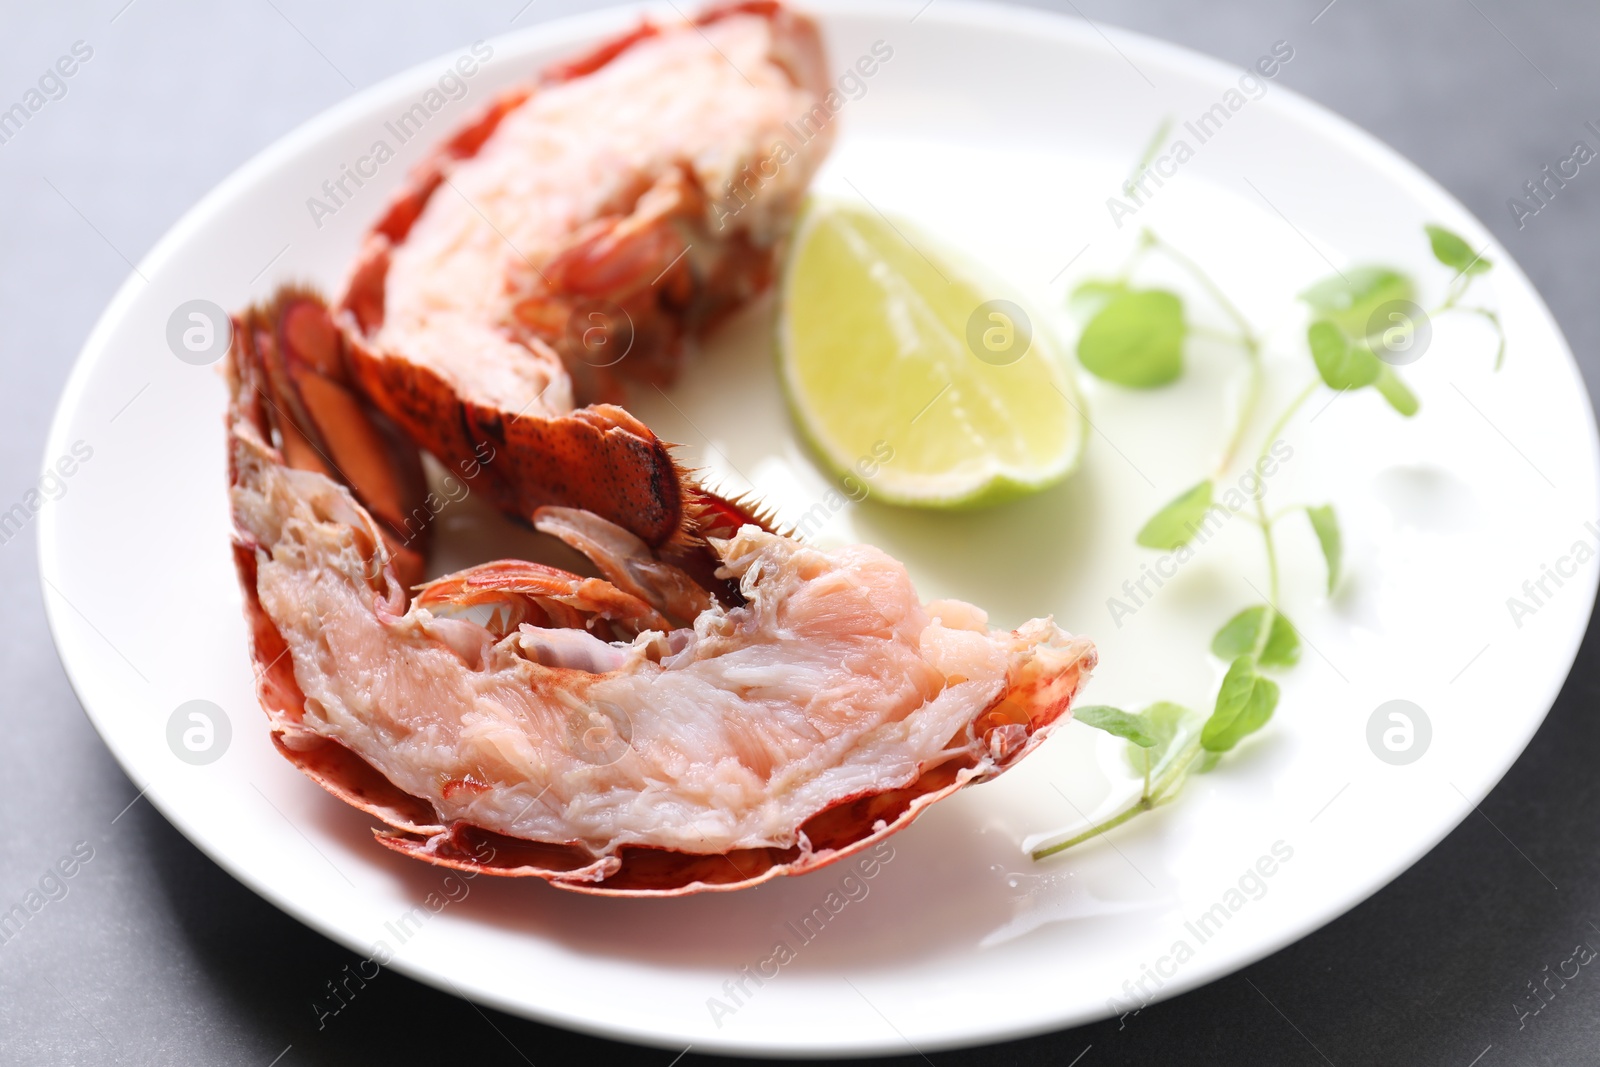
<point>572,735</point>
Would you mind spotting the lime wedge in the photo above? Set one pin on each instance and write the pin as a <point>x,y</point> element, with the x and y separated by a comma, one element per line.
<point>907,374</point>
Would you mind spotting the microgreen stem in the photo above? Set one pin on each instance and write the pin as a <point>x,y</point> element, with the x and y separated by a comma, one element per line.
<point>1269,617</point>
<point>1149,154</point>
<point>1141,806</point>
<point>1500,332</point>
<point>1147,241</point>
<point>1154,796</point>
<point>1163,791</point>
<point>1199,274</point>
<point>1452,302</point>
<point>1246,340</point>
<point>1247,405</point>
<point>1458,289</point>
<point>1283,419</point>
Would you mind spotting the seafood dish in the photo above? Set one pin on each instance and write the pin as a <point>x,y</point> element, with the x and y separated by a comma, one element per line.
<point>720,703</point>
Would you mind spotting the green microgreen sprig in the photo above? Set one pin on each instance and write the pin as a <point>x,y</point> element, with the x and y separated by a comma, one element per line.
<point>1135,337</point>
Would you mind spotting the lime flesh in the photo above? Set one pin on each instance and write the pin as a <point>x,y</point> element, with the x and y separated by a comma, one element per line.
<point>904,371</point>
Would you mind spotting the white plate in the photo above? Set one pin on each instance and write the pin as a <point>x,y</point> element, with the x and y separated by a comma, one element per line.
<point>1003,131</point>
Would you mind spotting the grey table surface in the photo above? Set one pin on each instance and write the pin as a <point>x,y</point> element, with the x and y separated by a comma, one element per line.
<point>156,956</point>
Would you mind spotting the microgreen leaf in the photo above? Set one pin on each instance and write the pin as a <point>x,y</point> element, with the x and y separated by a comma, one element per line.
<point>1326,525</point>
<point>1239,635</point>
<point>1244,704</point>
<point>1175,524</point>
<point>1349,299</point>
<point>1117,722</point>
<point>1283,643</point>
<point>1342,365</point>
<point>1395,391</point>
<point>1453,251</point>
<point>1172,725</point>
<point>1136,339</point>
